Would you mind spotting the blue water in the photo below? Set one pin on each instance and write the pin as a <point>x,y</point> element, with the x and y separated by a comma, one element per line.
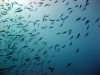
<point>49,37</point>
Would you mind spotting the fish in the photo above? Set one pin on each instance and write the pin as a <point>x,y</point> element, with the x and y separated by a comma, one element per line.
<point>64,32</point>
<point>61,24</point>
<point>61,15</point>
<point>20,17</point>
<point>46,57</point>
<point>15,2</point>
<point>80,6</point>
<point>25,46</point>
<point>70,43</point>
<point>52,69</point>
<point>52,20</point>
<point>29,15</point>
<point>30,3</point>
<point>51,27</point>
<point>56,1</point>
<point>37,58</point>
<point>4,12</point>
<point>70,12</point>
<point>87,22</point>
<point>44,17</point>
<point>78,36</point>
<point>77,50</point>
<point>10,35</point>
<point>70,30</point>
<point>42,62</point>
<point>38,33</point>
<point>19,24</point>
<point>63,1</point>
<point>2,31</point>
<point>69,33</point>
<point>84,9</point>
<point>58,49</point>
<point>45,43</point>
<point>87,34</point>
<point>63,46</point>
<point>97,20</point>
<point>34,2</point>
<point>50,47</point>
<point>86,4</point>
<point>56,46</point>
<point>48,61</point>
<point>18,10</point>
<point>69,64</point>
<point>69,8</point>
<point>58,33</point>
<point>65,18</point>
<point>67,3</point>
<point>19,51</point>
<point>71,37</point>
<point>2,69</point>
<point>36,9</point>
<point>83,18</point>
<point>76,6</point>
<point>27,59</point>
<point>78,19</point>
<point>47,5</point>
<point>44,52</point>
<point>40,2</point>
<point>87,27</point>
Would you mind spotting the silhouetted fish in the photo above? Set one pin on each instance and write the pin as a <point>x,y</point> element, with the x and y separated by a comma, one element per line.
<point>87,27</point>
<point>69,8</point>
<point>84,18</point>
<point>78,19</point>
<point>47,5</point>
<point>67,3</point>
<point>18,10</point>
<point>49,61</point>
<point>56,46</point>
<point>56,1</point>
<point>87,22</point>
<point>80,6</point>
<point>71,37</point>
<point>63,1</point>
<point>63,46</point>
<point>78,36</point>
<point>77,50</point>
<point>58,33</point>
<point>64,32</point>
<point>70,43</point>
<point>76,6</point>
<point>97,20</point>
<point>69,64</point>
<point>87,34</point>
<point>70,12</point>
<point>51,69</point>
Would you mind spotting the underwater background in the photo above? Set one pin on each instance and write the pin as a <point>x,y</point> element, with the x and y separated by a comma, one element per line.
<point>49,37</point>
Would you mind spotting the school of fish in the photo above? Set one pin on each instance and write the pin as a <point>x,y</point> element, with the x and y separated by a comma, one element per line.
<point>30,43</point>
